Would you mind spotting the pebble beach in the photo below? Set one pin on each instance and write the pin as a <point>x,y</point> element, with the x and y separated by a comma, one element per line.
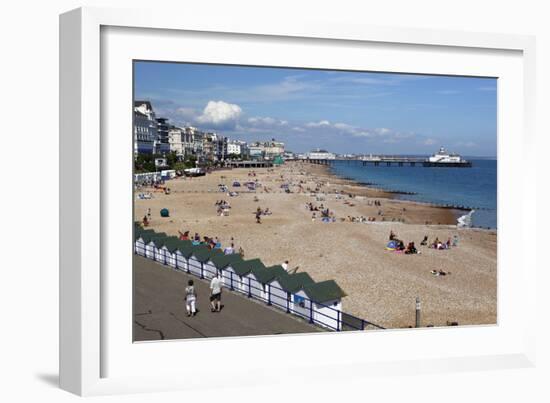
<point>381,285</point>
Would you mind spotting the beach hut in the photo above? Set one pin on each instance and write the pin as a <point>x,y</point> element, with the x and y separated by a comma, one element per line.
<point>323,301</point>
<point>209,267</point>
<point>241,270</point>
<point>148,246</point>
<point>291,284</point>
<point>253,286</point>
<point>225,263</point>
<point>199,255</point>
<point>168,250</point>
<point>181,255</point>
<point>157,244</point>
<point>278,297</point>
<point>139,238</point>
<point>264,277</point>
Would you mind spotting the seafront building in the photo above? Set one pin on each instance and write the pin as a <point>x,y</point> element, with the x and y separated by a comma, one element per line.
<point>145,128</point>
<point>157,136</point>
<point>319,154</point>
<point>238,147</point>
<point>175,141</point>
<point>163,144</point>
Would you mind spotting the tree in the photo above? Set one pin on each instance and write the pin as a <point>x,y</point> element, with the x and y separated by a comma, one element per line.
<point>144,163</point>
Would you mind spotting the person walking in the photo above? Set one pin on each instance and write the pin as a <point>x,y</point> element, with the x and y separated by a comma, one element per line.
<point>190,299</point>
<point>216,293</point>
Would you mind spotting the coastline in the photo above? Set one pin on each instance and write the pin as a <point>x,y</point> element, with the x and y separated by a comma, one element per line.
<point>440,215</point>
<point>381,285</point>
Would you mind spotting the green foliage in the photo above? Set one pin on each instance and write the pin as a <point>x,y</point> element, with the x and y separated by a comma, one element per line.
<point>144,163</point>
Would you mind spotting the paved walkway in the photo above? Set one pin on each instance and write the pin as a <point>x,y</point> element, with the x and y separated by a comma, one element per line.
<point>159,309</point>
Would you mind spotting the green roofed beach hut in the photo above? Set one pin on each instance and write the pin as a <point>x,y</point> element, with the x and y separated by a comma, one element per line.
<point>241,270</point>
<point>324,303</point>
<point>139,240</point>
<point>209,267</point>
<point>199,254</point>
<point>182,253</point>
<point>282,291</point>
<point>148,246</point>
<point>168,250</point>
<point>226,265</point>
<point>158,243</point>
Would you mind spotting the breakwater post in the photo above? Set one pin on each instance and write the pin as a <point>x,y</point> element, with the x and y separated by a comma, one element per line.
<point>417,318</point>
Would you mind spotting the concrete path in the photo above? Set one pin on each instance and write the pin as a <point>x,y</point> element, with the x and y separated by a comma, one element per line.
<point>159,309</point>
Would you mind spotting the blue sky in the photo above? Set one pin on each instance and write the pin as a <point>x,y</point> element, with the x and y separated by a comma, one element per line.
<point>345,112</point>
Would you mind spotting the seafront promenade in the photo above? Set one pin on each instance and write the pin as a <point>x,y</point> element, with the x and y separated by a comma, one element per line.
<point>159,309</point>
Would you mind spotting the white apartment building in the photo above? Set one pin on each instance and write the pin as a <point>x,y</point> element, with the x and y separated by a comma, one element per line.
<point>175,141</point>
<point>319,154</point>
<point>237,147</point>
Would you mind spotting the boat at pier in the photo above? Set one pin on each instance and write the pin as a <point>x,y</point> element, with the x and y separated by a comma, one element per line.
<point>444,158</point>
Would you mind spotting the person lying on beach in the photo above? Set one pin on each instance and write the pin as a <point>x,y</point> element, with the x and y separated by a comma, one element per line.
<point>440,272</point>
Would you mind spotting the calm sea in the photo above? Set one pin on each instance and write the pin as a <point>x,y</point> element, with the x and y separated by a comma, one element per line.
<point>474,187</point>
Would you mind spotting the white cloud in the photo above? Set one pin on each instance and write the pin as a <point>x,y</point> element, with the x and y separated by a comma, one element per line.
<point>429,142</point>
<point>321,123</point>
<point>220,114</point>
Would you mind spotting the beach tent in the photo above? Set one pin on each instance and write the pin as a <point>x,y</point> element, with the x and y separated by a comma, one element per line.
<point>323,303</point>
<point>224,263</point>
<point>392,245</point>
<point>164,212</point>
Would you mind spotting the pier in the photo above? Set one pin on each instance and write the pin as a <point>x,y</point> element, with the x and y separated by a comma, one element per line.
<point>395,161</point>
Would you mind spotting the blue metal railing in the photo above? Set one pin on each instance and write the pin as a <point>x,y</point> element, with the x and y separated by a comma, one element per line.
<point>329,317</point>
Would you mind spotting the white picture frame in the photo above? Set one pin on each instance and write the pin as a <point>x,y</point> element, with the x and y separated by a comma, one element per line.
<point>97,357</point>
